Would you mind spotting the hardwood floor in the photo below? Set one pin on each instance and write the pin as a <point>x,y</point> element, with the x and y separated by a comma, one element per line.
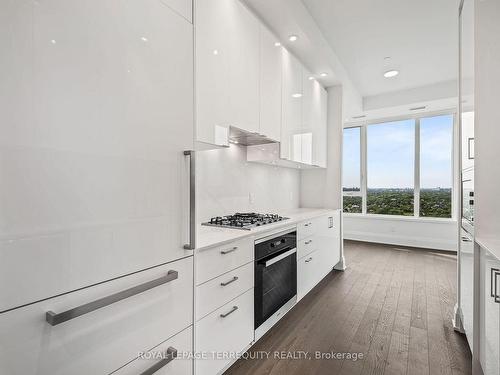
<point>394,305</point>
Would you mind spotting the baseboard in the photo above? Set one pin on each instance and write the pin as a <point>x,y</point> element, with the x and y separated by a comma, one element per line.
<point>385,238</point>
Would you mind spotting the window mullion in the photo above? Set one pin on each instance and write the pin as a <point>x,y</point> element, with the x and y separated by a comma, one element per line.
<point>416,196</point>
<point>364,179</point>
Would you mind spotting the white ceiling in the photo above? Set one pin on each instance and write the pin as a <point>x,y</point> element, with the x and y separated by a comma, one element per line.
<point>421,38</point>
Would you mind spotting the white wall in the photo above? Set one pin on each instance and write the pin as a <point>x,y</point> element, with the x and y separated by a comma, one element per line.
<point>487,124</point>
<point>227,183</point>
<point>433,234</point>
<point>322,187</point>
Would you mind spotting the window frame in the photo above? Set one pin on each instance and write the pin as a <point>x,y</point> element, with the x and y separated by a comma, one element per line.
<point>364,163</point>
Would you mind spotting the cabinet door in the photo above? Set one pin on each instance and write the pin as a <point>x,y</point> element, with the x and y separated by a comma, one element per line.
<point>291,126</point>
<point>244,61</point>
<point>99,110</point>
<point>319,142</point>
<point>489,342</point>
<point>270,85</point>
<point>467,283</point>
<point>214,25</point>
<point>309,98</point>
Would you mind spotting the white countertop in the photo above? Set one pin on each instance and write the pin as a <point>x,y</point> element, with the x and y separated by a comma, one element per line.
<point>210,236</point>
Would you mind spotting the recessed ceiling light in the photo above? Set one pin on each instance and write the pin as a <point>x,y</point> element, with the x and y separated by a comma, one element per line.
<point>391,73</point>
<point>277,44</point>
<point>297,95</point>
<point>53,41</point>
<point>323,74</point>
<point>311,78</point>
<point>293,38</point>
<point>215,52</point>
<point>144,39</point>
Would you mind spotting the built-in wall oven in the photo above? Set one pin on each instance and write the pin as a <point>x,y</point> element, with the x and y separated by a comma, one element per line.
<point>275,278</point>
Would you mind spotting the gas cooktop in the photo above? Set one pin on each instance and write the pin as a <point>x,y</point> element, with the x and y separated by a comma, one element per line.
<point>244,221</point>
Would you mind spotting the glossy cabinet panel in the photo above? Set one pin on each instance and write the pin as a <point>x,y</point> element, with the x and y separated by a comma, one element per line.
<point>244,68</point>
<point>489,341</point>
<point>183,7</point>
<point>291,118</point>
<point>467,283</point>
<point>96,109</point>
<point>102,340</point>
<point>227,69</point>
<point>270,85</point>
<point>320,135</point>
<point>213,55</point>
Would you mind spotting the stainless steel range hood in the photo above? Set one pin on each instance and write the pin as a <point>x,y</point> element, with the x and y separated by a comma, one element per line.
<point>246,138</point>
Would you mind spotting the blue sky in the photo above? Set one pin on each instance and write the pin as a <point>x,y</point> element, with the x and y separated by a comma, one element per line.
<point>390,154</point>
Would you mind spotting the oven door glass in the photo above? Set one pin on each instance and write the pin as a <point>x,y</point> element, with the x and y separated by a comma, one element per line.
<point>275,283</point>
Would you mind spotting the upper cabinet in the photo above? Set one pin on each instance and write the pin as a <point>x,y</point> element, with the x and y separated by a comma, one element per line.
<point>227,69</point>
<point>291,118</point>
<point>246,80</point>
<point>270,85</point>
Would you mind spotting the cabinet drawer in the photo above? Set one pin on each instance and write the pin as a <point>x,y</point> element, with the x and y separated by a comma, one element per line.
<point>306,246</point>
<point>307,273</point>
<point>306,228</point>
<point>180,344</point>
<point>217,260</point>
<point>228,329</point>
<point>219,291</point>
<point>104,339</point>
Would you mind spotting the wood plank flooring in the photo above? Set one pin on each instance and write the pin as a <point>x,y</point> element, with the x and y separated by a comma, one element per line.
<point>392,304</point>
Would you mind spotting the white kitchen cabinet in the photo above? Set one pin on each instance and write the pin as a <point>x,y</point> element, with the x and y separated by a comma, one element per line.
<point>227,69</point>
<point>308,116</point>
<point>96,110</point>
<point>102,340</point>
<point>213,55</point>
<point>229,329</point>
<point>178,365</point>
<point>291,118</point>
<point>270,85</point>
<point>307,273</point>
<point>467,284</point>
<point>319,128</point>
<point>244,68</point>
<point>489,341</point>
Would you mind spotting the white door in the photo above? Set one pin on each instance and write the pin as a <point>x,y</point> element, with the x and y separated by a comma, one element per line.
<point>270,85</point>
<point>96,109</point>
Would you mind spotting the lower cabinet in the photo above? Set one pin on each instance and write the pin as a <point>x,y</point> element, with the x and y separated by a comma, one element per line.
<point>489,341</point>
<point>224,333</point>
<point>66,335</point>
<point>308,274</point>
<point>172,357</point>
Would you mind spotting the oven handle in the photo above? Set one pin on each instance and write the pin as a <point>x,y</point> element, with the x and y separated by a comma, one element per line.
<point>280,257</point>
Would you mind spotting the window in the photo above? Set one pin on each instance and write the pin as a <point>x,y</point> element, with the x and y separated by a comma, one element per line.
<point>436,177</point>
<point>402,168</point>
<point>390,168</point>
<point>351,175</point>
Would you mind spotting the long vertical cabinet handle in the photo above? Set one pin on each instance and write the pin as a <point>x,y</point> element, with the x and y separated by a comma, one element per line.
<point>493,271</point>
<point>495,274</point>
<point>192,200</point>
<point>171,354</point>
<point>54,319</point>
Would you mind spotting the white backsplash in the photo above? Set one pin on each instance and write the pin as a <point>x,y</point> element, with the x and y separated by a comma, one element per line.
<point>227,183</point>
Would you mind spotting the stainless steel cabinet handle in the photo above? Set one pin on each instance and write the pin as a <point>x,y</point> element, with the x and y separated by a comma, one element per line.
<point>230,281</point>
<point>171,355</point>
<point>308,242</point>
<point>192,200</point>
<point>495,272</point>
<point>306,225</point>
<point>54,319</point>
<point>224,252</point>
<point>309,259</point>
<point>466,239</point>
<point>229,312</point>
